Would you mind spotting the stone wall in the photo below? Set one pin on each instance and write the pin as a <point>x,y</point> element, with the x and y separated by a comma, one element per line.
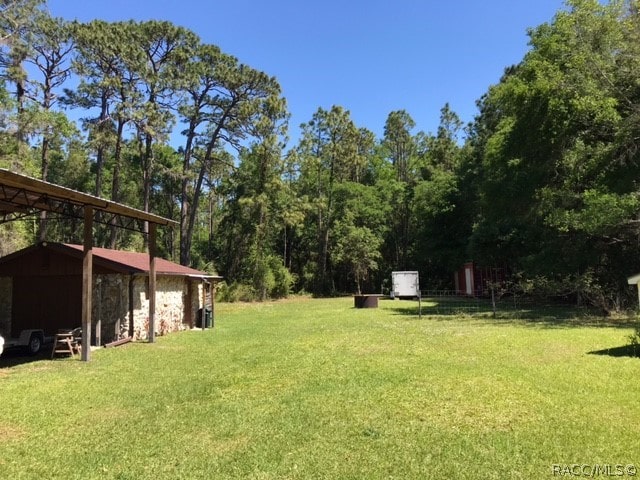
<point>110,306</point>
<point>172,300</point>
<point>176,305</point>
<point>6,292</point>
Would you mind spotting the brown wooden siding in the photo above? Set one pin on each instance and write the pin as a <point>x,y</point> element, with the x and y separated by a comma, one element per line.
<point>46,302</point>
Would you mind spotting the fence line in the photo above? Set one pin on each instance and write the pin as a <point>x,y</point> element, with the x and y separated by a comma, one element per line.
<point>448,302</point>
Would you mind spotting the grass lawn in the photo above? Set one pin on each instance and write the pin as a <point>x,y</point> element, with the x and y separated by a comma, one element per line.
<point>313,388</point>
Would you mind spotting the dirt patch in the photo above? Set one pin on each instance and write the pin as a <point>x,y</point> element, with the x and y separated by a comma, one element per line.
<point>10,432</point>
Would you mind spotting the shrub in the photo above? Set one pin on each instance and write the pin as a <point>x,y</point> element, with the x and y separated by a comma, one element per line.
<point>270,279</point>
<point>283,279</point>
<point>235,292</point>
<point>634,338</point>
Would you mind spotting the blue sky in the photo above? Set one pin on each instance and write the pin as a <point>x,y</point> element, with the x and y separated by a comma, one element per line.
<point>371,57</point>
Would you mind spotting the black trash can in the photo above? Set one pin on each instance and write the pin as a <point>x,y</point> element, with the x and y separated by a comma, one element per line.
<point>208,318</point>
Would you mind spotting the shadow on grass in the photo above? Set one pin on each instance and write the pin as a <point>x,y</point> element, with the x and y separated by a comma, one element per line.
<point>626,351</point>
<point>13,357</point>
<point>552,316</point>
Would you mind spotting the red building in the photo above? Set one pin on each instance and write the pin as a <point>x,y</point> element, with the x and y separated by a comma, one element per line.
<point>475,281</point>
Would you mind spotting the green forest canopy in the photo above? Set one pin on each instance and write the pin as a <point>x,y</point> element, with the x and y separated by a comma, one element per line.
<point>542,183</point>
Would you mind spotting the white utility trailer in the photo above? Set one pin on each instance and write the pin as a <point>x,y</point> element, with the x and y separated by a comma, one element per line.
<point>405,285</point>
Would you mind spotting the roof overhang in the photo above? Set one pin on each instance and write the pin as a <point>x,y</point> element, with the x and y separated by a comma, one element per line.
<point>209,278</point>
<point>21,195</point>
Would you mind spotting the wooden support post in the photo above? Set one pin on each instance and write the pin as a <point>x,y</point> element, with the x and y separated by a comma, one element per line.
<point>204,305</point>
<point>212,297</point>
<point>99,316</point>
<point>87,283</point>
<point>152,282</point>
<point>188,306</point>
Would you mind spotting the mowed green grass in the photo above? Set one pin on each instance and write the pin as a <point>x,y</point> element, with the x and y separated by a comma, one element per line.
<point>313,388</point>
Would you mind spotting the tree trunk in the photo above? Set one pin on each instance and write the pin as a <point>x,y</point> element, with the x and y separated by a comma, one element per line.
<point>188,212</point>
<point>325,232</point>
<point>185,206</point>
<point>146,180</point>
<point>115,184</point>
<point>100,151</point>
<point>44,174</point>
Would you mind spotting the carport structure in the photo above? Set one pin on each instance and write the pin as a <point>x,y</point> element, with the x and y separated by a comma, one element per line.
<point>22,196</point>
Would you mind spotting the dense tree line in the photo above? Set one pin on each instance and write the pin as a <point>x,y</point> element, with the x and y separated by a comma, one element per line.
<point>543,182</point>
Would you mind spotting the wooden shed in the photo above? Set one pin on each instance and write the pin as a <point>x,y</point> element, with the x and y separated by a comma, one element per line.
<point>473,280</point>
<point>22,196</point>
<point>40,287</point>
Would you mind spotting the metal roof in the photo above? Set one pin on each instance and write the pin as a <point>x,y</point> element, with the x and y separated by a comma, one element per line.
<point>21,195</point>
<point>138,262</point>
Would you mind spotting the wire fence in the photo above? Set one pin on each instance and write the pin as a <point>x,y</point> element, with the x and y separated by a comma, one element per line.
<point>451,302</point>
<point>508,307</point>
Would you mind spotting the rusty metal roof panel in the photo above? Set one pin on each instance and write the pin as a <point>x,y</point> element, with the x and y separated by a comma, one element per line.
<point>139,262</point>
<point>20,194</point>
